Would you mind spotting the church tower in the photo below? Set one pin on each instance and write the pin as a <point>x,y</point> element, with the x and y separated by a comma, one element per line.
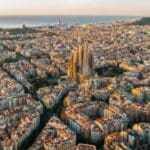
<point>81,62</point>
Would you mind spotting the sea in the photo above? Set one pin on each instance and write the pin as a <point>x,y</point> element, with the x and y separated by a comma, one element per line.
<point>34,21</point>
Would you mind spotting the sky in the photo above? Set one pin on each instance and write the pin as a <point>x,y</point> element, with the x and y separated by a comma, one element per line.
<point>75,7</point>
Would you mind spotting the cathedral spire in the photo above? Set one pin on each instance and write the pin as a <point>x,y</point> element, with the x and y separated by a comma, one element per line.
<point>81,62</point>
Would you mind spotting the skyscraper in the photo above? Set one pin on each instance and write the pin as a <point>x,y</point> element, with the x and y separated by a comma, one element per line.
<point>81,62</point>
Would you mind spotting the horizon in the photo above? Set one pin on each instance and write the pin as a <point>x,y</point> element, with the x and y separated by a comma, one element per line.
<point>75,8</point>
<point>74,15</point>
<point>42,20</point>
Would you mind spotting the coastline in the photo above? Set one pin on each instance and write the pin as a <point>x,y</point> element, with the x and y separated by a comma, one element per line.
<point>36,21</point>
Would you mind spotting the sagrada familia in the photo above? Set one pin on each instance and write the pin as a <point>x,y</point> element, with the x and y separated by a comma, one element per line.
<point>81,63</point>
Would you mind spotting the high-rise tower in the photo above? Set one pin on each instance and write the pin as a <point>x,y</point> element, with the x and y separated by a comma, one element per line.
<point>81,62</point>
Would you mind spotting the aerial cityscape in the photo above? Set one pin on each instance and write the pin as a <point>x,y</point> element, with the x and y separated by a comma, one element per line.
<point>80,83</point>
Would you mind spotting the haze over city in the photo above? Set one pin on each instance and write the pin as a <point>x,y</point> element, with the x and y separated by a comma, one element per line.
<point>75,7</point>
<point>74,74</point>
